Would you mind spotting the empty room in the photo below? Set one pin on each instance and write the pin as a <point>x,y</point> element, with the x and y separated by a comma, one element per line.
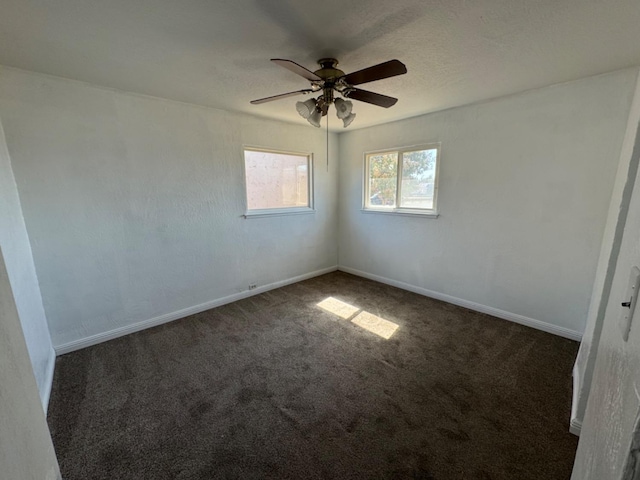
<point>319,240</point>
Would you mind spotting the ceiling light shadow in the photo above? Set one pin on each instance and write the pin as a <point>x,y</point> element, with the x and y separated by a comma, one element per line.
<point>316,30</point>
<point>389,23</point>
<point>285,14</point>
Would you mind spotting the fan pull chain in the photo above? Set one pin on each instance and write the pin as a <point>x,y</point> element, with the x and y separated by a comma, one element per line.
<point>327,143</point>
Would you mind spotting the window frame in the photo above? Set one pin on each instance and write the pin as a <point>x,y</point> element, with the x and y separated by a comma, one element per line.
<point>271,212</point>
<point>397,210</point>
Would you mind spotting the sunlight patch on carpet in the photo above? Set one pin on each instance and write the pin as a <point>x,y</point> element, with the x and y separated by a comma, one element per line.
<point>338,307</point>
<point>374,324</point>
<point>370,322</point>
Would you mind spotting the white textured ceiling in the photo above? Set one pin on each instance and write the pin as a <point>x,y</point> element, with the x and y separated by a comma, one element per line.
<point>216,52</point>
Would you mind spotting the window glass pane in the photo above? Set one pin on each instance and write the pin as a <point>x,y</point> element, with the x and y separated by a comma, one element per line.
<point>276,180</point>
<point>418,178</point>
<point>383,179</point>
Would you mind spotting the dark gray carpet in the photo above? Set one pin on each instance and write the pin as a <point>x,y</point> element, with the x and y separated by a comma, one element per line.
<point>274,387</point>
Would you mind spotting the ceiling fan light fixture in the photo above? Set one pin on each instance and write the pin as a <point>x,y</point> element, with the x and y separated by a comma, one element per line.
<point>306,108</point>
<point>348,119</point>
<point>343,108</point>
<point>315,118</point>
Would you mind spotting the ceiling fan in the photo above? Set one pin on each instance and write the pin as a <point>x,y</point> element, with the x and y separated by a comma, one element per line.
<point>330,80</point>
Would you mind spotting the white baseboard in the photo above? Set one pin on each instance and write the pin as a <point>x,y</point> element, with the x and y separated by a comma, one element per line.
<point>514,317</point>
<point>185,312</point>
<point>46,394</point>
<point>575,426</point>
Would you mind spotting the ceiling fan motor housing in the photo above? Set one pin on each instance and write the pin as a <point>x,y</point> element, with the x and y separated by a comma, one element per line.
<point>328,71</point>
<point>331,80</point>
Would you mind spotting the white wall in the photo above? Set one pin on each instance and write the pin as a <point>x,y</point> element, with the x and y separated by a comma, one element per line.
<point>524,187</point>
<point>133,204</point>
<point>26,450</point>
<point>14,241</point>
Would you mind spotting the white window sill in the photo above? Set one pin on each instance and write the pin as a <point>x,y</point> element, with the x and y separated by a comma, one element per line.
<point>277,212</point>
<point>403,212</point>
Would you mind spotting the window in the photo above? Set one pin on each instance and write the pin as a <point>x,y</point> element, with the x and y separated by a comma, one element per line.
<point>277,182</point>
<point>403,180</point>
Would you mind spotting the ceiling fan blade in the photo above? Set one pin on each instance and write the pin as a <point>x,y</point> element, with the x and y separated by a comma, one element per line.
<point>371,97</point>
<point>295,68</point>
<point>377,72</point>
<point>278,97</point>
